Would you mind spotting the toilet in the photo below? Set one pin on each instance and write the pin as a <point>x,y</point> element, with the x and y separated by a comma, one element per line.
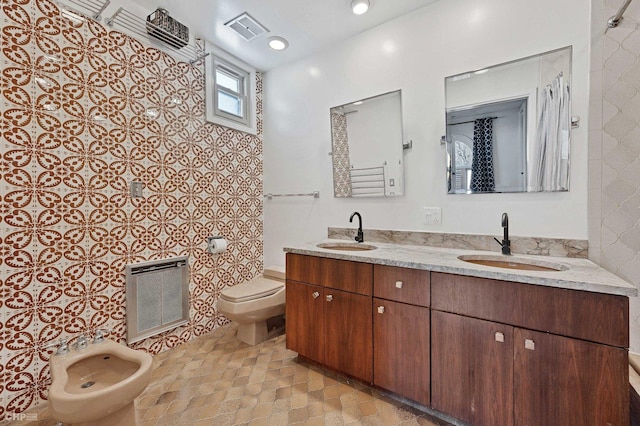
<point>254,303</point>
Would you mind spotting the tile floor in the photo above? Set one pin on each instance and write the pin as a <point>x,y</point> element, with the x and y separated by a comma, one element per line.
<point>218,380</point>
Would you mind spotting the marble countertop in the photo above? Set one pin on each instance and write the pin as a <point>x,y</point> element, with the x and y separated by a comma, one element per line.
<point>582,274</point>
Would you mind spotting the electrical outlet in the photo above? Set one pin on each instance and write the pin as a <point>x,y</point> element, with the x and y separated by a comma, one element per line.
<point>432,216</point>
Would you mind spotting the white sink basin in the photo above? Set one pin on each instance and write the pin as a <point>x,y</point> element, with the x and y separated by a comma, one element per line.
<point>513,262</point>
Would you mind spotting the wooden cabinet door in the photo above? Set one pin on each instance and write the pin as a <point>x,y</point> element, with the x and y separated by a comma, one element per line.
<point>348,333</point>
<point>401,335</point>
<point>564,381</point>
<point>304,324</point>
<point>472,369</point>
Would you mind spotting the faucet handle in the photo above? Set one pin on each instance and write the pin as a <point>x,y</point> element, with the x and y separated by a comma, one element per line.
<point>100,334</point>
<point>62,345</point>
<point>81,343</point>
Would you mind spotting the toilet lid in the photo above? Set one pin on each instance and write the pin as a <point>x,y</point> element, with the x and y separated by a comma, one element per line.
<point>252,289</point>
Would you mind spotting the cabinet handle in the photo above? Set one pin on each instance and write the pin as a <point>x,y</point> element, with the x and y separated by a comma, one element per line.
<point>529,344</point>
<point>499,337</point>
<point>315,295</point>
<point>399,284</point>
<point>381,309</point>
<point>329,297</point>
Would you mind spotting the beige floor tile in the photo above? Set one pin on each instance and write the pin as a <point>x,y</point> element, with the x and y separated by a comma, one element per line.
<point>299,401</point>
<point>262,410</point>
<point>218,380</point>
<point>368,408</point>
<point>315,421</point>
<point>278,419</point>
<point>210,410</point>
<point>243,416</point>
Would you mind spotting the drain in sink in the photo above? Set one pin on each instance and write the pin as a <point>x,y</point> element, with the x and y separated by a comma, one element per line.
<point>87,385</point>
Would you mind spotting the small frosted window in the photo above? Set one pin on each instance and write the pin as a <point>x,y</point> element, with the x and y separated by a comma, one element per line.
<point>230,92</point>
<point>230,104</point>
<point>228,81</point>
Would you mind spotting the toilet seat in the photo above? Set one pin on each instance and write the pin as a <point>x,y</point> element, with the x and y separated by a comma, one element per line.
<point>256,288</point>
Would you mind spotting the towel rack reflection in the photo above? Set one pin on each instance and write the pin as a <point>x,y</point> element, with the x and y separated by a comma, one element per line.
<point>314,194</point>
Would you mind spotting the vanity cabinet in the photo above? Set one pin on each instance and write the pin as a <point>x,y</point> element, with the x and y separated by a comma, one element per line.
<point>329,313</point>
<point>401,332</point>
<point>472,369</point>
<point>523,354</point>
<point>487,352</point>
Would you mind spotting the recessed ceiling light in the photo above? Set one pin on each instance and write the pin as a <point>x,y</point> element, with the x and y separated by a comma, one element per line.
<point>360,6</point>
<point>278,43</point>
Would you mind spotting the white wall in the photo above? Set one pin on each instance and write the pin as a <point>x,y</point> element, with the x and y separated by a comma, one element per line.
<point>414,53</point>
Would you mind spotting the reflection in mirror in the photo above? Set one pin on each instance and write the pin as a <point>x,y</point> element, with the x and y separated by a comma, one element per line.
<point>366,139</point>
<point>508,126</point>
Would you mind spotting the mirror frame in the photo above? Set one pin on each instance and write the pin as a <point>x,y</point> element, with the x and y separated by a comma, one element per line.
<point>531,150</point>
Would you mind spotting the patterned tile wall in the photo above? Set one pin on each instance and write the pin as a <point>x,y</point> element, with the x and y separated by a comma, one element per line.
<point>614,150</point>
<point>84,112</point>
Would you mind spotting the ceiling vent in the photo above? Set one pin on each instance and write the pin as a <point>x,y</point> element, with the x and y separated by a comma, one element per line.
<point>246,26</point>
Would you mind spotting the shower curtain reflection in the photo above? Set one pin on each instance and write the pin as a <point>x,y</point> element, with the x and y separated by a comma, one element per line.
<point>482,177</point>
<point>550,168</point>
<point>340,152</point>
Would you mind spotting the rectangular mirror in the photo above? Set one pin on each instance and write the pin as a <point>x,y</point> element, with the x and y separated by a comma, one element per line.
<point>366,146</point>
<point>508,126</point>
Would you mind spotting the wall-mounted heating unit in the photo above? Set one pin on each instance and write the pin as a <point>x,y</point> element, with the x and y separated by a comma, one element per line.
<point>157,295</point>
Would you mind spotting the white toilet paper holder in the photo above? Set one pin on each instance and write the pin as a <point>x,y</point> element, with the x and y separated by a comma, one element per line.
<point>212,244</point>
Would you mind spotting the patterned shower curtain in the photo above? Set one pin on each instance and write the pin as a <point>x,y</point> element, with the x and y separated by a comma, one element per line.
<point>482,178</point>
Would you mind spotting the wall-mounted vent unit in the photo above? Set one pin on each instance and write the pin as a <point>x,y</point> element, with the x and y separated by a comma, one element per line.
<point>247,26</point>
<point>163,27</point>
<point>157,296</point>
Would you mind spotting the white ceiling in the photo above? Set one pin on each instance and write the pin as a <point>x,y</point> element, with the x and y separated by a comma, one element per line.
<point>308,25</point>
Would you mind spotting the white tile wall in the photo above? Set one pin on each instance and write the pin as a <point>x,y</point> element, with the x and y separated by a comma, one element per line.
<point>614,148</point>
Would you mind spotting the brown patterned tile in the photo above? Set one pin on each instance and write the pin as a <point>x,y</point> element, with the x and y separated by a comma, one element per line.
<point>73,139</point>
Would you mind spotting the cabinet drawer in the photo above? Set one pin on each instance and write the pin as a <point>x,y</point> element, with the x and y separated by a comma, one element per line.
<point>402,284</point>
<point>602,318</point>
<point>354,277</point>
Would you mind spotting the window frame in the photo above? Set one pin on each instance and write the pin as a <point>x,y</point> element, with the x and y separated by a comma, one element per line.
<point>246,74</point>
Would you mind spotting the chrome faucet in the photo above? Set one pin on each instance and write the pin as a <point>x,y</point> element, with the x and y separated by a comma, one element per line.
<point>505,243</point>
<point>81,343</point>
<point>62,346</point>
<point>99,336</point>
<point>360,236</point>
